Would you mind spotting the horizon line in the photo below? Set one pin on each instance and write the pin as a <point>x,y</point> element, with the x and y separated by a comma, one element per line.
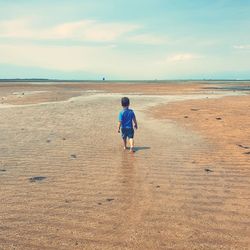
<point>116,80</point>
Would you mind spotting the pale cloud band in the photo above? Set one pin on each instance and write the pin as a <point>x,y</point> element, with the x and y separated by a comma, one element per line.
<point>242,47</point>
<point>182,57</point>
<point>83,30</point>
<point>92,59</point>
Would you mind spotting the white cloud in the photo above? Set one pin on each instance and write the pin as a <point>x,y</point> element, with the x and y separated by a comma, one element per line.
<point>182,57</point>
<point>89,30</point>
<point>84,30</point>
<point>243,47</point>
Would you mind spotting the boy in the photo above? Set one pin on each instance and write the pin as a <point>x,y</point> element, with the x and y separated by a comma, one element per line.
<point>126,120</point>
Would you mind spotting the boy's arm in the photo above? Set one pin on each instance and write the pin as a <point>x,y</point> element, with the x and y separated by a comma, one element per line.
<point>119,126</point>
<point>119,122</point>
<point>135,122</point>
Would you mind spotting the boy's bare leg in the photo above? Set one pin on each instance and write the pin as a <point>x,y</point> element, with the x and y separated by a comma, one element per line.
<point>125,143</point>
<point>131,142</point>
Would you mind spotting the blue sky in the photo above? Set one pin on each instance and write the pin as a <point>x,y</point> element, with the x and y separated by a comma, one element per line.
<point>118,39</point>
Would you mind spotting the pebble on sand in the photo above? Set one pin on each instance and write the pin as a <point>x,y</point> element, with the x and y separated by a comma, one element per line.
<point>241,146</point>
<point>37,178</point>
<point>208,170</point>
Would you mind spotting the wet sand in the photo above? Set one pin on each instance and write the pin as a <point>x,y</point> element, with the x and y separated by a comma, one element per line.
<point>225,122</point>
<point>66,182</point>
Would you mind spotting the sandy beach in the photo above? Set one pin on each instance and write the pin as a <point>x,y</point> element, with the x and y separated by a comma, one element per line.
<point>67,183</point>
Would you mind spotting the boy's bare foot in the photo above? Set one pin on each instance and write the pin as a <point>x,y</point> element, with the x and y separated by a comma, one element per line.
<point>125,148</point>
<point>132,150</point>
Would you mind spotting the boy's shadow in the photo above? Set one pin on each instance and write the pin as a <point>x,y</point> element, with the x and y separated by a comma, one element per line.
<point>140,148</point>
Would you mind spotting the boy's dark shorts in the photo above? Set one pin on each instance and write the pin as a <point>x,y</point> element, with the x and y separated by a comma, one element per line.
<point>127,132</point>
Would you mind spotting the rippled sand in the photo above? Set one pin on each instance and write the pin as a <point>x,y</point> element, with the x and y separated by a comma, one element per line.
<point>174,192</point>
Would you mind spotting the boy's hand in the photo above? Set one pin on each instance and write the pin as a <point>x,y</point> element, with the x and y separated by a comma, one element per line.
<point>119,127</point>
<point>136,127</point>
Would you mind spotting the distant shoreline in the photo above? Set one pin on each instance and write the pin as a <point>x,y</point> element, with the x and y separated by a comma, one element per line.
<point>42,80</point>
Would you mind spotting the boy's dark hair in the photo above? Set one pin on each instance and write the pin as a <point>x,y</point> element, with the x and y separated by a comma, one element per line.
<point>125,102</point>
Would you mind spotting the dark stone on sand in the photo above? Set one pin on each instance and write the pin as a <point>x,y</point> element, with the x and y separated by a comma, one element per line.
<point>208,170</point>
<point>185,116</point>
<point>158,186</point>
<point>48,141</point>
<point>37,178</point>
<point>73,156</point>
<point>218,118</point>
<point>66,201</point>
<point>64,138</point>
<point>247,153</point>
<point>194,109</point>
<point>241,146</point>
<point>99,203</point>
<point>109,199</point>
<point>2,170</point>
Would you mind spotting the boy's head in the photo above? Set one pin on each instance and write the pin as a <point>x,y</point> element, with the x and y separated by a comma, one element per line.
<point>125,102</point>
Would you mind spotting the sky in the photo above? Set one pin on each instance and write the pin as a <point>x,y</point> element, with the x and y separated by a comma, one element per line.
<point>125,39</point>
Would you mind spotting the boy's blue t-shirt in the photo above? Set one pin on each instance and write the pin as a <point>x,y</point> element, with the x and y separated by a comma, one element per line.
<point>126,117</point>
